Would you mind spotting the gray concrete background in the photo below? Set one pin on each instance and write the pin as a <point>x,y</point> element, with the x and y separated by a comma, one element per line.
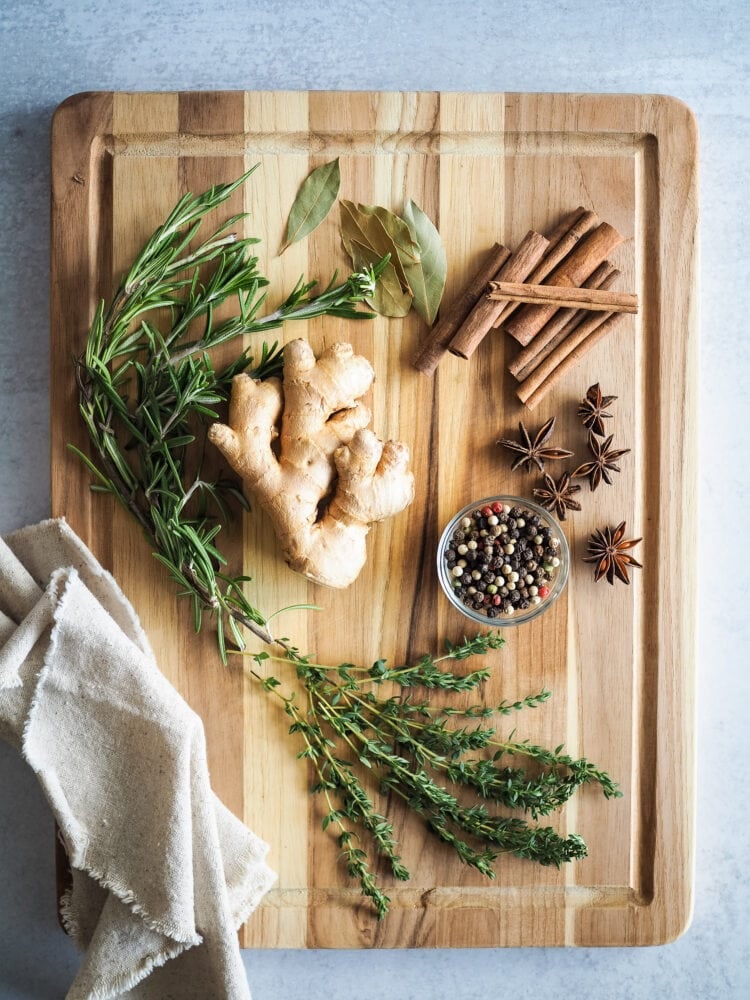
<point>695,50</point>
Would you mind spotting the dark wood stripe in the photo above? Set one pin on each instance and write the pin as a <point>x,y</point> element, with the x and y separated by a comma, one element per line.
<point>80,274</point>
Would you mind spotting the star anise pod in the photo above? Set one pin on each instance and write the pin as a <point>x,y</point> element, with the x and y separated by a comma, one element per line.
<point>592,409</point>
<point>603,462</point>
<point>558,496</point>
<point>608,549</point>
<point>534,452</point>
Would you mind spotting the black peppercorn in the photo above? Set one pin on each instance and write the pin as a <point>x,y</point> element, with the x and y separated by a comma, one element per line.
<point>485,561</point>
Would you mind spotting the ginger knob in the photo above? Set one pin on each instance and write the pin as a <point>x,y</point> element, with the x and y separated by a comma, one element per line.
<point>333,478</point>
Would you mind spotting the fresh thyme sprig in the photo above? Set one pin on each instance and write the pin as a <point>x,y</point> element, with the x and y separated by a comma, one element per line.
<point>415,751</point>
<point>145,396</point>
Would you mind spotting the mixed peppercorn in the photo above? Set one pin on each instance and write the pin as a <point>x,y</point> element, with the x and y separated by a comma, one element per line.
<point>501,560</point>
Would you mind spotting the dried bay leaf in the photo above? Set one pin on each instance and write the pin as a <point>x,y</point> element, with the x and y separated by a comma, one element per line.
<point>353,226</point>
<point>398,231</point>
<point>415,273</point>
<point>388,299</point>
<point>314,201</point>
<point>381,231</point>
<point>426,277</point>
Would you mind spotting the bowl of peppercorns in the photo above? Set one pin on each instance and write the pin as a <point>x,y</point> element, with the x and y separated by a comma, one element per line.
<point>503,560</point>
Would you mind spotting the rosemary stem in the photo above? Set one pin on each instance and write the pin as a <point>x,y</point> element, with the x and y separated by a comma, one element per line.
<point>258,632</point>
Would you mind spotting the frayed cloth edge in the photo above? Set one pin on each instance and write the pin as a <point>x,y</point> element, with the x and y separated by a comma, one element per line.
<point>68,921</point>
<point>184,936</point>
<point>137,633</point>
<point>122,983</point>
<point>263,877</point>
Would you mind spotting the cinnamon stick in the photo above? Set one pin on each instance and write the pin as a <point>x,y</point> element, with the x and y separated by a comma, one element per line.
<point>573,271</point>
<point>533,389</point>
<point>441,334</point>
<point>557,329</point>
<point>572,360</point>
<point>564,237</point>
<point>562,228</point>
<point>588,299</point>
<point>480,320</point>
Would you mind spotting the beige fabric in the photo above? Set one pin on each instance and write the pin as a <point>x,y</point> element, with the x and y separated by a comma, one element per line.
<point>163,873</point>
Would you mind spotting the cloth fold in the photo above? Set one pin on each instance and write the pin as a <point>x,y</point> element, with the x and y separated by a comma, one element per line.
<point>163,873</point>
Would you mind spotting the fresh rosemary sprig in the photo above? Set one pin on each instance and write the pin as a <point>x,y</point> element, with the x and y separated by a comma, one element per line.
<point>142,446</point>
<point>145,396</point>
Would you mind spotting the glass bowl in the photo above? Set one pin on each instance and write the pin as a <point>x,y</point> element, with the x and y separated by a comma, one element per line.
<point>547,562</point>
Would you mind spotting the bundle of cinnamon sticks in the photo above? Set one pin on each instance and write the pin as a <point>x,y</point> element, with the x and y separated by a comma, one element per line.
<point>552,295</point>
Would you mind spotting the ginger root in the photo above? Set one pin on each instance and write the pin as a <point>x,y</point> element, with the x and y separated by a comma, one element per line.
<point>333,478</point>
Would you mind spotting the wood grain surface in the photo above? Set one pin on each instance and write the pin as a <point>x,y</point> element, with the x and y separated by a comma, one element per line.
<point>619,660</point>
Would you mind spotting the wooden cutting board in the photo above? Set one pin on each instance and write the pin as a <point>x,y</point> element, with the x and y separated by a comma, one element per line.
<point>619,660</point>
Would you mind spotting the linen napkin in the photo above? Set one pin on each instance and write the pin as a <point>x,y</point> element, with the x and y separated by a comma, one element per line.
<point>163,873</point>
